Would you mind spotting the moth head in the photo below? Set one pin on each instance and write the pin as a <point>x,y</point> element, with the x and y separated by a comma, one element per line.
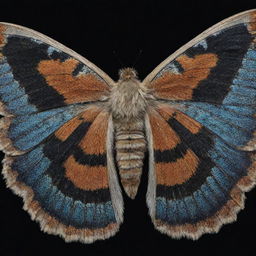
<point>127,74</point>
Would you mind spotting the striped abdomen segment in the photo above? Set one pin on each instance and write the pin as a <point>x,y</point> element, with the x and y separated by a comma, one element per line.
<point>130,148</point>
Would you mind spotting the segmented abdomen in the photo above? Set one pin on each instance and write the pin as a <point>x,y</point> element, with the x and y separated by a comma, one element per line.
<point>130,146</point>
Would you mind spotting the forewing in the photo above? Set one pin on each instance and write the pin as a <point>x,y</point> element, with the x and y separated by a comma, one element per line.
<point>43,84</point>
<point>220,60</point>
<point>68,182</point>
<point>201,132</point>
<point>37,73</point>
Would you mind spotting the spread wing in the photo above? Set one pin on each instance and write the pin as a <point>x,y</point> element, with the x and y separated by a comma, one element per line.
<point>202,132</point>
<point>55,133</point>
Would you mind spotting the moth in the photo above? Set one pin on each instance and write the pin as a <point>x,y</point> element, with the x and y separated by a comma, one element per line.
<point>73,137</point>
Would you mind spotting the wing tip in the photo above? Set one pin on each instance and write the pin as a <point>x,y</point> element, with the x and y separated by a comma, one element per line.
<point>49,224</point>
<point>14,29</point>
<point>241,17</point>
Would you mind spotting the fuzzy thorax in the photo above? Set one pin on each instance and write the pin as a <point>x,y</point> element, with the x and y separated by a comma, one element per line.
<point>128,97</point>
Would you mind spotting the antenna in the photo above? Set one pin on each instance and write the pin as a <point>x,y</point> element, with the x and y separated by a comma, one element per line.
<point>137,59</point>
<point>121,62</point>
<point>118,59</point>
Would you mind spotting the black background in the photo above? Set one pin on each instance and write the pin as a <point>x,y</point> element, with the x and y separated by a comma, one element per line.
<point>96,29</point>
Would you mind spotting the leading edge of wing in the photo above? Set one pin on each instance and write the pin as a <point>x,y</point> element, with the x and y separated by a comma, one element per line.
<point>241,17</point>
<point>13,29</point>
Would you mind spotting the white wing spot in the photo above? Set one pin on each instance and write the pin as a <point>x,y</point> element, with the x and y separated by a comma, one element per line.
<point>85,70</point>
<point>202,43</point>
<point>170,67</point>
<point>51,49</point>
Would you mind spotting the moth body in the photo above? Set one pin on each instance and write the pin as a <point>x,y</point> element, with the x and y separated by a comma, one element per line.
<point>128,98</point>
<point>130,145</point>
<point>128,103</point>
